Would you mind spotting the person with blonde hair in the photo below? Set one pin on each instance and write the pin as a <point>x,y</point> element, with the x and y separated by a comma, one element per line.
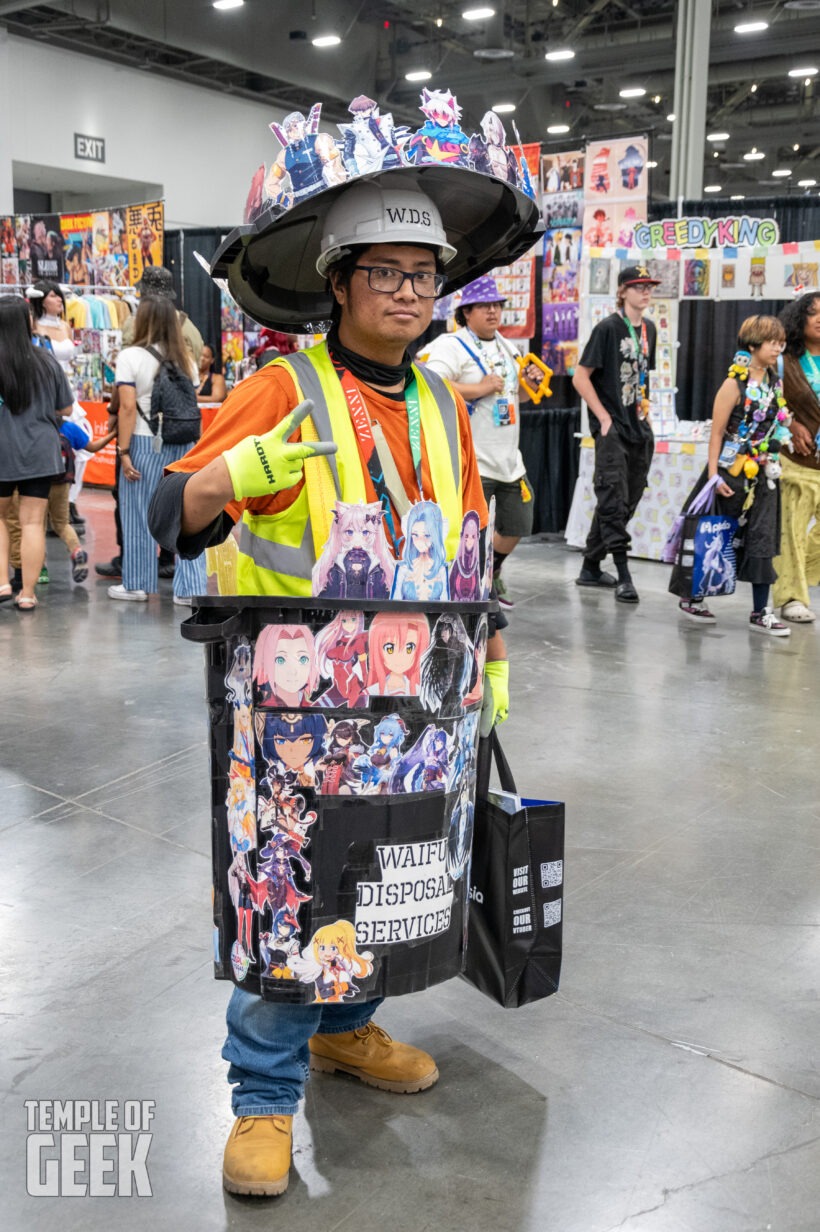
<point>749,423</point>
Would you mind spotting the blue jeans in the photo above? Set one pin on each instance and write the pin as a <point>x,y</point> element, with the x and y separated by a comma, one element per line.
<point>267,1048</point>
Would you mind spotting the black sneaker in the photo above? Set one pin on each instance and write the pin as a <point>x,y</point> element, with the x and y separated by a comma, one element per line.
<point>166,571</point>
<point>113,568</point>
<point>625,592</point>
<point>74,517</point>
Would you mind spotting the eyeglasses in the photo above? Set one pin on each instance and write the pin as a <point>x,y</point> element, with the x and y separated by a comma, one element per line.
<point>387,281</point>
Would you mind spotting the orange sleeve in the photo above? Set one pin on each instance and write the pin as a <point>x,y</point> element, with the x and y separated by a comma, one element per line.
<point>253,407</point>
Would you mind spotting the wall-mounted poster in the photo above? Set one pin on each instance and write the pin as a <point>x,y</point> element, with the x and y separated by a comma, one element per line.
<point>562,172</point>
<point>696,278</point>
<point>616,169</point>
<point>47,248</point>
<point>145,225</point>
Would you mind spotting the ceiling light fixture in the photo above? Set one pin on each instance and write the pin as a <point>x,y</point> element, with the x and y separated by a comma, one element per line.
<point>564,53</point>
<point>809,71</point>
<point>478,14</point>
<point>796,146</point>
<point>806,183</point>
<point>555,129</point>
<point>632,92</point>
<point>228,4</point>
<point>717,136</point>
<point>710,188</point>
<point>326,40</point>
<point>753,88</point>
<point>751,27</point>
<point>651,163</point>
<point>754,155</point>
<point>656,99</point>
<point>503,108</point>
<point>781,173</point>
<point>737,197</point>
<point>418,74</point>
<point>671,117</point>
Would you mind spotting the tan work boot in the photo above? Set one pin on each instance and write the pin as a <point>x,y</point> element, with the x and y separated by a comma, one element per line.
<point>257,1155</point>
<point>371,1055</point>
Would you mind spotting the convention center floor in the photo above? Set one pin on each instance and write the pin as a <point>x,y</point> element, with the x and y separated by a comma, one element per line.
<point>670,1086</point>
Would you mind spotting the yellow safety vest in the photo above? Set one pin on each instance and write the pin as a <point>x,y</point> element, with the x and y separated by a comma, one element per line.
<point>277,551</point>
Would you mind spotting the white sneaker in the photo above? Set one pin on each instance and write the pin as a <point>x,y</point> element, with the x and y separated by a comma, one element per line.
<point>764,622</point>
<point>183,601</point>
<point>797,612</point>
<point>132,596</point>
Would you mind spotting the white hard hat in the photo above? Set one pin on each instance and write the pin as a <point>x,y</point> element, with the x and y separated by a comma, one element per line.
<point>370,213</point>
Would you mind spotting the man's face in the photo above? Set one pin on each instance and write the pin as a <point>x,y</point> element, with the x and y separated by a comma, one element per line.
<point>295,132</point>
<point>483,319</point>
<point>39,231</point>
<point>638,298</point>
<point>372,321</point>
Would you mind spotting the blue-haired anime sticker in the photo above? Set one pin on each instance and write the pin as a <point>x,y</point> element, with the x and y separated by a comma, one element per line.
<point>422,572</point>
<point>291,727</point>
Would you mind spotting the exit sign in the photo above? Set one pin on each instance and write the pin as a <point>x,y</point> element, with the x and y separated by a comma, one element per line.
<point>90,148</point>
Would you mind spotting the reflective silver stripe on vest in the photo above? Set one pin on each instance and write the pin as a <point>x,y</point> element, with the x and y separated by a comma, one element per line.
<point>293,562</point>
<point>446,403</point>
<point>311,386</point>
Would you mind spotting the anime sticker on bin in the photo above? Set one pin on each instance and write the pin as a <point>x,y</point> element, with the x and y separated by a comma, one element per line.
<point>426,766</point>
<point>421,574</point>
<point>397,644</point>
<point>374,768</point>
<point>341,657</point>
<point>465,571</point>
<point>447,667</point>
<point>355,562</point>
<point>332,962</point>
<point>285,670</point>
<point>240,804</point>
<point>293,744</point>
<point>345,743</point>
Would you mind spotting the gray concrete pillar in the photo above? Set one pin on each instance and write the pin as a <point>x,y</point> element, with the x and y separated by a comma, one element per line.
<point>7,114</point>
<point>691,78</point>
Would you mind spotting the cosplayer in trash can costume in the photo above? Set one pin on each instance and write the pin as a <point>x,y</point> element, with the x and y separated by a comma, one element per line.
<point>381,251</point>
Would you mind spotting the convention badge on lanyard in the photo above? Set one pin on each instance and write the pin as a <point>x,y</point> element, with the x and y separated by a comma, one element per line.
<point>380,464</point>
<point>642,356</point>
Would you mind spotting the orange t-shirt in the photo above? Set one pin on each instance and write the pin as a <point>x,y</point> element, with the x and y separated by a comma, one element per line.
<point>260,402</point>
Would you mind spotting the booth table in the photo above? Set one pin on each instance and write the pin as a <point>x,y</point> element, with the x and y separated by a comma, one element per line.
<point>100,469</point>
<point>675,467</point>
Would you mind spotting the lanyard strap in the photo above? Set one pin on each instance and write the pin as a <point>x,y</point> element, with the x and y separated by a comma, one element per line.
<point>369,448</point>
<point>641,349</point>
<point>473,356</point>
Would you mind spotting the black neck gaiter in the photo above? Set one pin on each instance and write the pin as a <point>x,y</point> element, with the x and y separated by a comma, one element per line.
<point>367,370</point>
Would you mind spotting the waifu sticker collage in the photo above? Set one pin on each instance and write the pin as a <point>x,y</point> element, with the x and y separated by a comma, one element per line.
<point>376,704</point>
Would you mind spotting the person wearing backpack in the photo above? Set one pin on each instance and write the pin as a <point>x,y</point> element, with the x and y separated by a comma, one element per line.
<point>158,423</point>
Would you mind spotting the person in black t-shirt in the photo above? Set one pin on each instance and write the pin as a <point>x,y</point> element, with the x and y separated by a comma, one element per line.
<point>613,380</point>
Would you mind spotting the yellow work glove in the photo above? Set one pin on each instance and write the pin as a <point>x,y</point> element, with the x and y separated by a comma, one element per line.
<point>262,465</point>
<point>496,707</point>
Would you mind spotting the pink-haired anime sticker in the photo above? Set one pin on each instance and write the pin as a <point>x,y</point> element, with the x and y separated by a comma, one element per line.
<point>341,656</point>
<point>355,562</point>
<point>397,644</point>
<point>285,671</point>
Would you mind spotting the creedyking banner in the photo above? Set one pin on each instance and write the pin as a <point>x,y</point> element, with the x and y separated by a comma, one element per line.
<point>734,231</point>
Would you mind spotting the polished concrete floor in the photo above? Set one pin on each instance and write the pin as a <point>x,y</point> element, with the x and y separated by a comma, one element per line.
<point>670,1086</point>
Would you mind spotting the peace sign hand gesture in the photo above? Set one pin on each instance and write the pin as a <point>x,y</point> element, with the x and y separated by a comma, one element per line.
<point>263,465</point>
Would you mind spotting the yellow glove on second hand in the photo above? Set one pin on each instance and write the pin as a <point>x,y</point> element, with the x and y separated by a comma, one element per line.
<point>496,707</point>
<point>263,465</point>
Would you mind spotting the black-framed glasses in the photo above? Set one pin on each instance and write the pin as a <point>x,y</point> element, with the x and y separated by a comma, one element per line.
<point>386,280</point>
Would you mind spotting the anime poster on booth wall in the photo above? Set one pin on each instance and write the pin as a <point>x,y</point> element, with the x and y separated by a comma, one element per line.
<point>77,232</point>
<point>145,227</point>
<point>562,173</point>
<point>616,169</point>
<point>47,248</point>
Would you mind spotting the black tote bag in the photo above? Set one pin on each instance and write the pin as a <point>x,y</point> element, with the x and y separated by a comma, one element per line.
<point>514,924</point>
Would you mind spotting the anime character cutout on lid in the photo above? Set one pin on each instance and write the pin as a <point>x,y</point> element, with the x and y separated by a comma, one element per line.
<point>370,140</point>
<point>441,139</point>
<point>397,644</point>
<point>421,574</point>
<point>285,670</point>
<point>341,656</point>
<point>489,151</point>
<point>307,161</point>
<point>447,666</point>
<point>465,572</point>
<point>332,962</point>
<point>345,743</point>
<point>426,766</point>
<point>293,744</point>
<point>355,562</point>
<point>375,767</point>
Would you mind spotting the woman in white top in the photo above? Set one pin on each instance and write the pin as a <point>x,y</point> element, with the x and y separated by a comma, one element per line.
<point>48,307</point>
<point>143,458</point>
